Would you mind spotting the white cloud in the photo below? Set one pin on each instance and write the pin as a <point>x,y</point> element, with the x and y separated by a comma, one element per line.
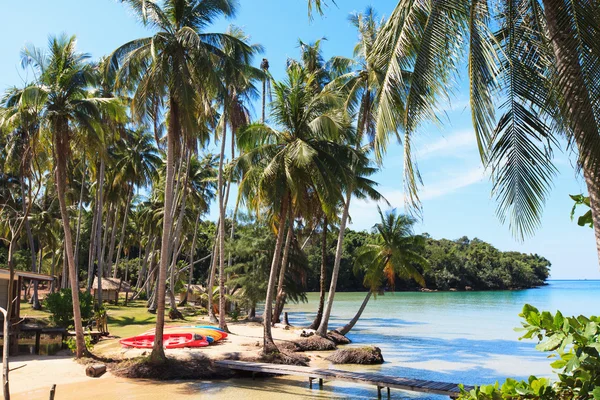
<point>452,145</point>
<point>364,212</point>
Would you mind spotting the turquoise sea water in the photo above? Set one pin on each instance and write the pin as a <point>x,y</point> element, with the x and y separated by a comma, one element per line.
<point>463,337</point>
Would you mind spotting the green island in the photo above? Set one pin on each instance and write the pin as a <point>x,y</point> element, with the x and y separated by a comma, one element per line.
<point>242,199</point>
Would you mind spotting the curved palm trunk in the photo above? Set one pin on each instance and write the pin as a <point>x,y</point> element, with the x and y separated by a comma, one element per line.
<point>61,181</point>
<point>280,299</point>
<point>577,105</point>
<point>123,228</point>
<point>322,330</point>
<point>354,320</point>
<point>222,299</point>
<point>268,343</point>
<point>158,353</point>
<point>322,278</point>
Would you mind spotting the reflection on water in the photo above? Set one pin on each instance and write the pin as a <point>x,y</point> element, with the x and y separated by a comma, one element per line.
<point>50,344</point>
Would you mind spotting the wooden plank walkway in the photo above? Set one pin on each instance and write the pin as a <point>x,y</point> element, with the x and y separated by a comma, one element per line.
<point>381,381</point>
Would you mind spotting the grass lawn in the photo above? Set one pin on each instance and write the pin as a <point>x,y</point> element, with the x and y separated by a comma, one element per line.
<point>123,321</point>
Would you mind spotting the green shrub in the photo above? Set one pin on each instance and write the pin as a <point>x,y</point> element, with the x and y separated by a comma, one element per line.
<point>60,305</point>
<point>575,343</point>
<point>72,343</point>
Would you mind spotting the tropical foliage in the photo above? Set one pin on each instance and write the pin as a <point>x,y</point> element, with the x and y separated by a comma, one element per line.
<point>574,343</point>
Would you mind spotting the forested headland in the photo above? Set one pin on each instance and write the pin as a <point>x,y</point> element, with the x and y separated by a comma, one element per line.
<point>460,264</point>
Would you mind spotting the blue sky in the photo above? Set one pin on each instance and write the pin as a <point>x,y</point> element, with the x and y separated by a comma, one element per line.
<point>456,192</point>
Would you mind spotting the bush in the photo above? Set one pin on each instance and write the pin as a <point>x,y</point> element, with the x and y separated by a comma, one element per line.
<point>575,342</point>
<point>72,343</point>
<point>60,305</point>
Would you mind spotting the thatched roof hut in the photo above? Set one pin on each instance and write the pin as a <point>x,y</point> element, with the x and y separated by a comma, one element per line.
<point>195,292</point>
<point>111,287</point>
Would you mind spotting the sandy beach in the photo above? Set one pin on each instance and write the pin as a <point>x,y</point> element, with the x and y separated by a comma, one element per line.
<point>33,376</point>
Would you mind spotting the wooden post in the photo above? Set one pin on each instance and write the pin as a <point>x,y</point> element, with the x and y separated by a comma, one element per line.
<point>388,390</point>
<point>52,391</point>
<point>38,335</point>
<point>320,383</point>
<point>310,382</point>
<point>378,392</point>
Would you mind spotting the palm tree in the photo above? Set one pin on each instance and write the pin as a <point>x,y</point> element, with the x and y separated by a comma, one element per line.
<point>281,166</point>
<point>174,67</point>
<point>22,117</point>
<point>237,87</point>
<point>359,81</point>
<point>539,70</point>
<point>64,80</point>
<point>137,163</point>
<point>396,252</point>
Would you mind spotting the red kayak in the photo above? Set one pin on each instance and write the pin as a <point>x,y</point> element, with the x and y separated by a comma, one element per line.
<point>170,341</point>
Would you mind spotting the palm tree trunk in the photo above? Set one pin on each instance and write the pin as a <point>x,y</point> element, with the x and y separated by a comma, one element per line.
<point>577,105</point>
<point>34,299</point>
<point>268,343</point>
<point>52,267</point>
<point>111,246</point>
<point>109,219</point>
<point>222,299</point>
<point>354,320</point>
<point>122,238</point>
<point>99,252</point>
<point>144,268</point>
<point>192,254</point>
<point>322,278</point>
<point>322,330</point>
<point>158,353</point>
<point>93,235</point>
<point>211,279</point>
<point>7,313</point>
<point>61,180</point>
<point>79,212</point>
<point>280,299</point>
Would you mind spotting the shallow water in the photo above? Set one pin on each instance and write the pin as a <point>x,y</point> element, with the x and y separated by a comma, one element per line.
<point>463,337</point>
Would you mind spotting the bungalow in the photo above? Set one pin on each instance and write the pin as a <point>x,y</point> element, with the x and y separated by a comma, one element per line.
<point>111,287</point>
<point>5,297</point>
<point>195,293</point>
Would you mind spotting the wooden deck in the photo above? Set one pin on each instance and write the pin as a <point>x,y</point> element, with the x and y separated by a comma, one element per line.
<point>380,381</point>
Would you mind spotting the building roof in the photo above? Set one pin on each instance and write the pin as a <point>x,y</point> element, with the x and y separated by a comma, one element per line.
<point>194,288</point>
<point>112,284</point>
<point>5,274</point>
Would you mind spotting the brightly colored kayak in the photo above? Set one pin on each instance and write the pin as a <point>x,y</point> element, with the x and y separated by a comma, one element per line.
<point>212,333</point>
<point>175,340</point>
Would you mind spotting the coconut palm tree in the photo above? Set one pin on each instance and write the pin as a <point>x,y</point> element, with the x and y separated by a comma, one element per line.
<point>63,90</point>
<point>359,81</point>
<point>281,165</point>
<point>539,71</point>
<point>396,252</point>
<point>137,164</point>
<point>236,88</point>
<point>21,116</point>
<point>173,69</point>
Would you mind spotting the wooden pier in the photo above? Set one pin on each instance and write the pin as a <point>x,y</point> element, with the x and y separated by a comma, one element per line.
<point>380,381</point>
